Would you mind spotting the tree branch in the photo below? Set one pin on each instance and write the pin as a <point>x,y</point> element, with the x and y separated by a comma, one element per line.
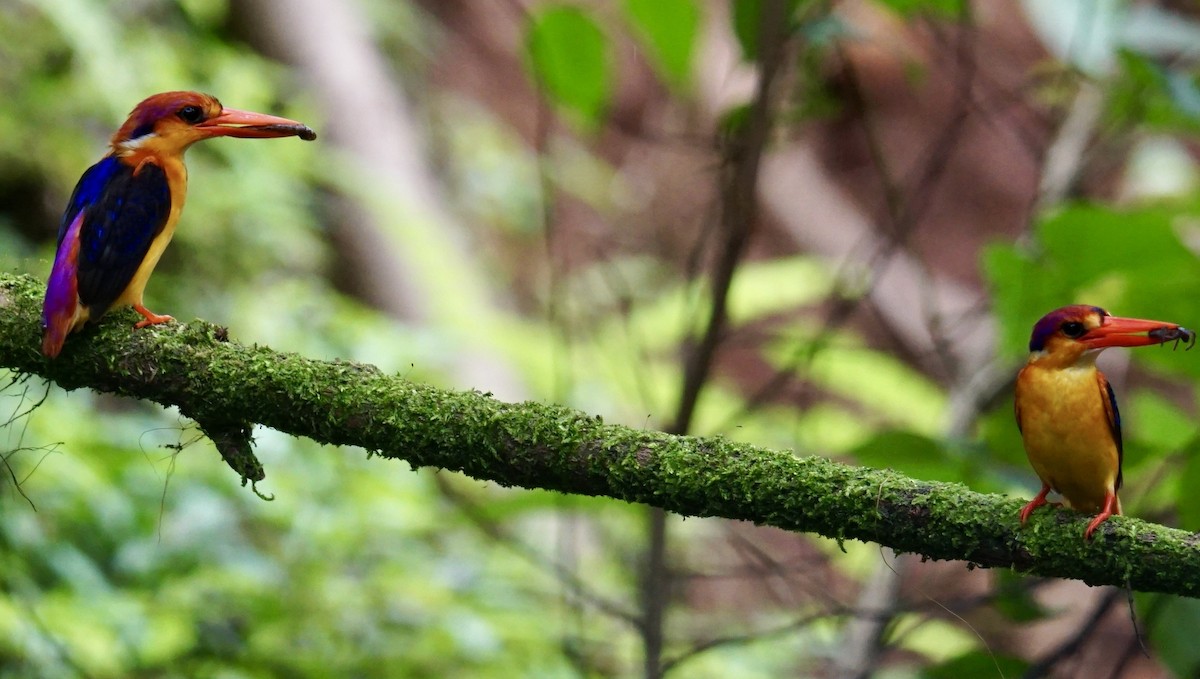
<point>536,445</point>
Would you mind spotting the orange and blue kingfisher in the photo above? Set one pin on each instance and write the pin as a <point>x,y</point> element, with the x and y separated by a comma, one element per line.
<point>124,209</point>
<point>1066,409</point>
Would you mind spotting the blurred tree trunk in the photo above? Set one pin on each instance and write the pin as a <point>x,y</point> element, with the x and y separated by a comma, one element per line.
<point>395,254</point>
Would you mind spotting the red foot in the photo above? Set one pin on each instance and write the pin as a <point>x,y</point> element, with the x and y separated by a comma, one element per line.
<point>151,317</point>
<point>1110,508</point>
<point>1036,502</point>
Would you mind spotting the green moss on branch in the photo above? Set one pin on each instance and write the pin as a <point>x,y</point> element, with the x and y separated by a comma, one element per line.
<point>535,445</point>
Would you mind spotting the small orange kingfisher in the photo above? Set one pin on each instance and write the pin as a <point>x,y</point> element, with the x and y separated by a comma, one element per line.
<point>123,211</point>
<point>1066,409</point>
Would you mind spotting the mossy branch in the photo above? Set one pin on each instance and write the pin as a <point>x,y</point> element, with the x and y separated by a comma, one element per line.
<point>224,385</point>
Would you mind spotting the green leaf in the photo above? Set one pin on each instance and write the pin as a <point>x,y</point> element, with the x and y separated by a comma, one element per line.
<point>763,289</point>
<point>883,384</point>
<point>1098,241</point>
<point>938,640</point>
<point>1131,261</point>
<point>571,58</point>
<point>747,22</point>
<point>1159,422</point>
<point>1172,623</point>
<point>945,8</point>
<point>978,664</point>
<point>1188,502</point>
<point>1149,94</point>
<point>911,454</point>
<point>1000,436</point>
<point>888,389</point>
<point>734,120</point>
<point>1022,293</point>
<point>1015,600</point>
<point>668,28</point>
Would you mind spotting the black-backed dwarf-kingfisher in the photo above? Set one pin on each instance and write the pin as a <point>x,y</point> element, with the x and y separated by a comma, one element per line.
<point>123,211</point>
<point>1066,409</point>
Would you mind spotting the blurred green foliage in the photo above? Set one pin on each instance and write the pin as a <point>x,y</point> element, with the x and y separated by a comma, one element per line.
<point>668,28</point>
<point>130,549</point>
<point>572,59</point>
<point>748,22</point>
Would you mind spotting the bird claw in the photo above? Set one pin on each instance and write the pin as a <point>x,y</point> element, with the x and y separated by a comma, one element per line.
<point>151,318</point>
<point>1037,501</point>
<point>1111,507</point>
<point>1087,534</point>
<point>158,320</point>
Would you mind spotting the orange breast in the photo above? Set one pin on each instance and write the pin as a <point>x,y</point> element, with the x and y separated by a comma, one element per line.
<point>176,173</point>
<point>1067,436</point>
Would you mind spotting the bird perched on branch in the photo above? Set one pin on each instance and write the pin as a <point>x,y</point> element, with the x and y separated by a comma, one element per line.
<point>124,209</point>
<point>1066,409</point>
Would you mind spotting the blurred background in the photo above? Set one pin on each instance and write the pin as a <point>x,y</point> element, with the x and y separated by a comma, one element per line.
<point>825,227</point>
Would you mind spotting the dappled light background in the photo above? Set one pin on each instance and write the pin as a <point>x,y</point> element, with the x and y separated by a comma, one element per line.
<point>552,201</point>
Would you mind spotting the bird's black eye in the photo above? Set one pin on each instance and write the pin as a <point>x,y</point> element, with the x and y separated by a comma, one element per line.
<point>1073,329</point>
<point>191,114</point>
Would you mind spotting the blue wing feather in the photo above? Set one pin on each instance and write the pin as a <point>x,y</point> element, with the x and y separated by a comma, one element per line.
<point>124,210</point>
<point>88,191</point>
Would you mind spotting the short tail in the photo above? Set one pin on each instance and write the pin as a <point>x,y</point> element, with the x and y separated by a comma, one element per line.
<point>52,342</point>
<point>61,309</point>
<point>53,338</point>
<point>58,320</point>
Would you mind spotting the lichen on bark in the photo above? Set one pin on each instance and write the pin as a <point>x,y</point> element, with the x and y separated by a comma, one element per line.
<point>226,386</point>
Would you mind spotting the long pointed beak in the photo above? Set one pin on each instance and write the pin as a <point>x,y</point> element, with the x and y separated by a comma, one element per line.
<point>1134,332</point>
<point>235,123</point>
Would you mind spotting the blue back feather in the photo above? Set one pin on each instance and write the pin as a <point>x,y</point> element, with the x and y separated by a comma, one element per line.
<point>123,212</point>
<point>88,190</point>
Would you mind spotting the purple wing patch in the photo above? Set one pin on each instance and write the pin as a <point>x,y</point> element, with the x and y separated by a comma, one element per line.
<point>61,305</point>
